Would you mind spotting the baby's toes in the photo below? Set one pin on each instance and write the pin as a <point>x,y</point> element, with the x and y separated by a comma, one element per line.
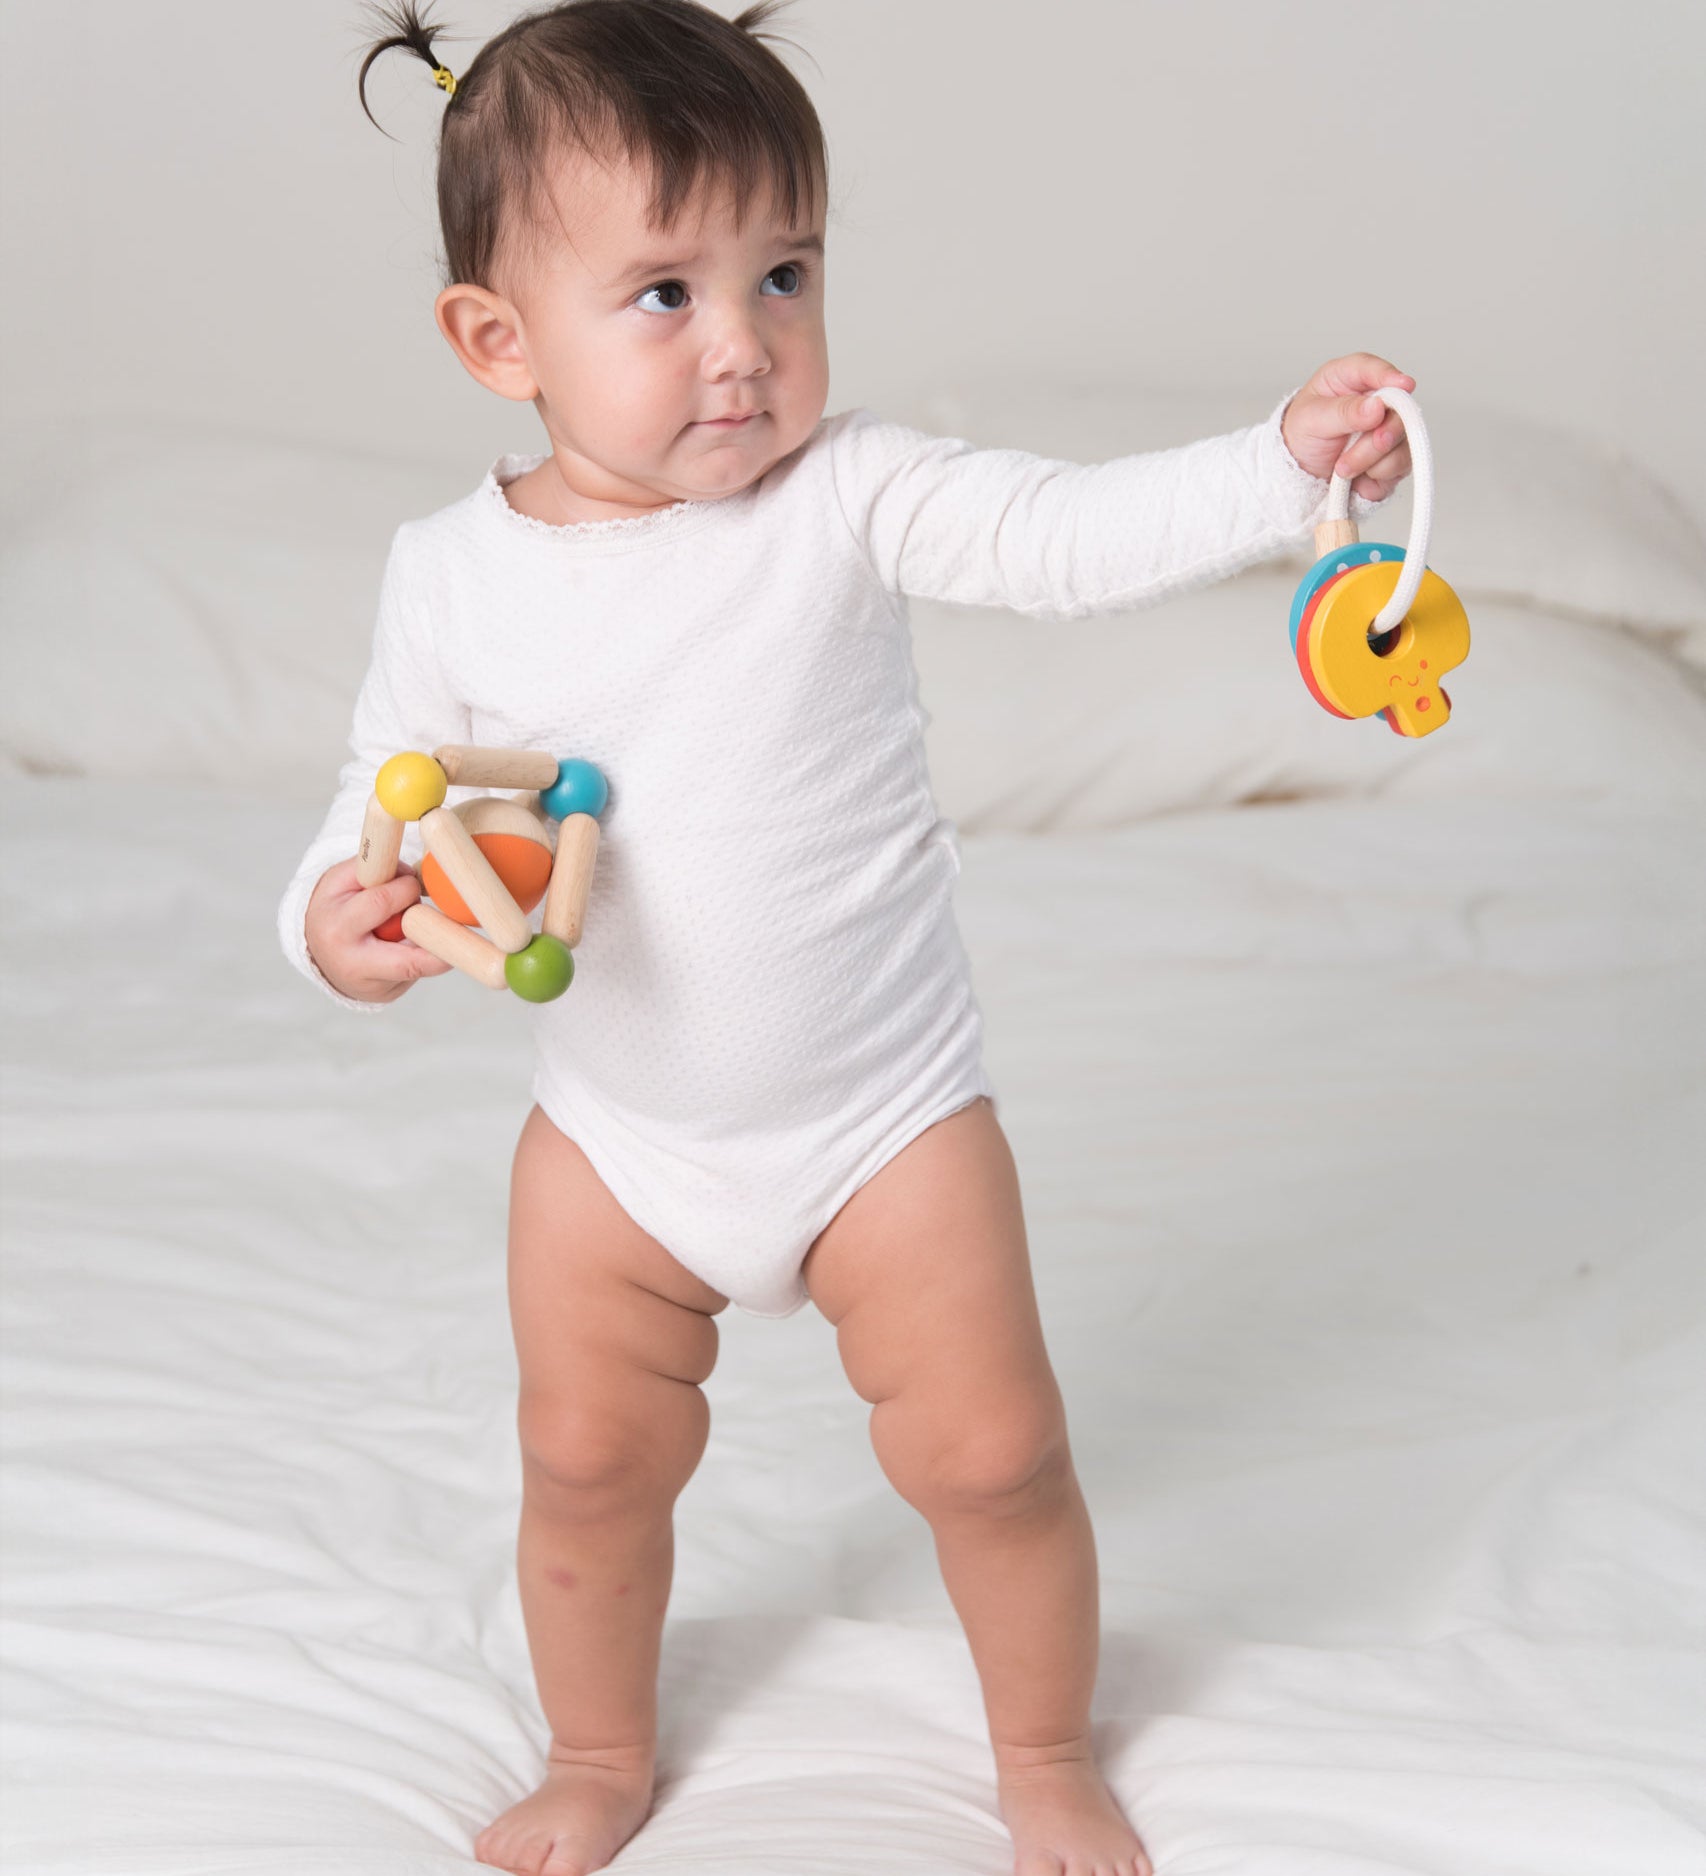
<point>510,1849</point>
<point>567,1862</point>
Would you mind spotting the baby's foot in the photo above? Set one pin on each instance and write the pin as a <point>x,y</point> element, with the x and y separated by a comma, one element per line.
<point>1064,1819</point>
<point>587,1808</point>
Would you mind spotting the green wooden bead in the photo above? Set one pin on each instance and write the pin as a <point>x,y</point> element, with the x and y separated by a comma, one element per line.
<point>542,972</point>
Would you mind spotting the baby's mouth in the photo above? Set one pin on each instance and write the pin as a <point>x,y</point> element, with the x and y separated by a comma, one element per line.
<point>732,422</point>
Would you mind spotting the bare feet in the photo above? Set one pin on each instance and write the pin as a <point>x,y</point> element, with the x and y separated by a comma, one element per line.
<point>588,1807</point>
<point>1064,1819</point>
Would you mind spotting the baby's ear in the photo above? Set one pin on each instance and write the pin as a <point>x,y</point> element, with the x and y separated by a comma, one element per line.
<point>484,332</point>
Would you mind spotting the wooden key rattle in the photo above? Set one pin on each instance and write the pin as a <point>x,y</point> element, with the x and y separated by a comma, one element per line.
<point>489,861</point>
<point>1373,628</point>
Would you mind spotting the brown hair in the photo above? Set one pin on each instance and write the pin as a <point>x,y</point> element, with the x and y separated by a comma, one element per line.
<point>695,98</point>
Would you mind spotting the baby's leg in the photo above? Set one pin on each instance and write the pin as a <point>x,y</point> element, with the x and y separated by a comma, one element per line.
<point>613,1337</point>
<point>926,1274</point>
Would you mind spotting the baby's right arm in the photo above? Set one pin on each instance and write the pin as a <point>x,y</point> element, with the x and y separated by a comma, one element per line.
<point>326,922</point>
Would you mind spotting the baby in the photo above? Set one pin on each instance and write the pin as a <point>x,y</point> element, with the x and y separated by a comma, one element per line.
<point>766,1084</point>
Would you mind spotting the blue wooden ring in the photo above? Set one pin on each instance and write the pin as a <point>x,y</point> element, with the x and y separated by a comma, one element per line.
<point>1357,554</point>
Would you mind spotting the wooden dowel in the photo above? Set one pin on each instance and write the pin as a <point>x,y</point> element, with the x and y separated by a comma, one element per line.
<point>381,842</point>
<point>1332,534</point>
<point>571,878</point>
<point>473,876</point>
<point>455,944</point>
<point>469,766</point>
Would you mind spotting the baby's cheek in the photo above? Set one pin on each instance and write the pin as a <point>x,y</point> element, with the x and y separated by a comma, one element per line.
<point>798,417</point>
<point>617,398</point>
<point>799,371</point>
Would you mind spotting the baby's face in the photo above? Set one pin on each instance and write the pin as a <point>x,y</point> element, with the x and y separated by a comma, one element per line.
<point>668,365</point>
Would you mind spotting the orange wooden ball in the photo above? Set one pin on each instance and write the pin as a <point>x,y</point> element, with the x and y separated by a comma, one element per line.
<point>522,864</point>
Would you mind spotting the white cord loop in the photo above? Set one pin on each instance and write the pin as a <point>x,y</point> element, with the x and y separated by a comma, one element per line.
<point>1421,518</point>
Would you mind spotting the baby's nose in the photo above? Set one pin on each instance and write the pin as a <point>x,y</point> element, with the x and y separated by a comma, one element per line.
<point>737,351</point>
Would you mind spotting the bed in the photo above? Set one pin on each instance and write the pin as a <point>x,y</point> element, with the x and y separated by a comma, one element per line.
<point>1358,1092</point>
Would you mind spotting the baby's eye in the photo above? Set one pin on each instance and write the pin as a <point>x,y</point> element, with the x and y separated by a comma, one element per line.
<point>670,305</point>
<point>791,280</point>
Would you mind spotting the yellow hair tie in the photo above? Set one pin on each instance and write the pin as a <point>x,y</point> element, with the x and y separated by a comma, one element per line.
<point>445,79</point>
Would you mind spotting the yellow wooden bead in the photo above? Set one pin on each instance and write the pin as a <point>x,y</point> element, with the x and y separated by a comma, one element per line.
<point>410,785</point>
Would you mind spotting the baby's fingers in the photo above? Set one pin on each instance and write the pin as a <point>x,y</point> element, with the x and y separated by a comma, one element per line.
<point>1358,372</point>
<point>371,907</point>
<point>1373,446</point>
<point>1334,420</point>
<point>404,960</point>
<point>419,963</point>
<point>1378,481</point>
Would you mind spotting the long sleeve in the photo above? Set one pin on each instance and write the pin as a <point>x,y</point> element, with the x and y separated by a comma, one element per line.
<point>405,702</point>
<point>938,518</point>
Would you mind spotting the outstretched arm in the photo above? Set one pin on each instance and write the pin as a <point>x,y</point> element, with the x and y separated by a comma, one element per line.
<point>940,519</point>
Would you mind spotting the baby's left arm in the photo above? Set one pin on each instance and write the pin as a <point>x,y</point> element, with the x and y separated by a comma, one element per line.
<point>938,518</point>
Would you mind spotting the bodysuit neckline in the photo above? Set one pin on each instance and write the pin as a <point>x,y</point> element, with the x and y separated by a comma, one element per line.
<point>622,534</point>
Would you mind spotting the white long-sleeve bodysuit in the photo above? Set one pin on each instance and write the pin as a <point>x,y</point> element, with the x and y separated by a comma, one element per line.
<point>771,997</point>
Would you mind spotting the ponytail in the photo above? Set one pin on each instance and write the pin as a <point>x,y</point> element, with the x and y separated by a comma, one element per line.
<point>416,35</point>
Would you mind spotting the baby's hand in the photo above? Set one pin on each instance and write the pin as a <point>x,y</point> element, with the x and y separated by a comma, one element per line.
<point>342,918</point>
<point>1332,406</point>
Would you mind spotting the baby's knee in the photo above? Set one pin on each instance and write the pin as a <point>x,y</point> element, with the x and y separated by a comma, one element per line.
<point>945,1458</point>
<point>590,1456</point>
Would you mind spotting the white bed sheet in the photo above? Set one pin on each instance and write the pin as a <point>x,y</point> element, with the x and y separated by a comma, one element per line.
<point>1362,1151</point>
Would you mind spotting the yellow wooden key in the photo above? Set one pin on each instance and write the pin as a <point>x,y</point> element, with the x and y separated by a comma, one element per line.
<point>1432,638</point>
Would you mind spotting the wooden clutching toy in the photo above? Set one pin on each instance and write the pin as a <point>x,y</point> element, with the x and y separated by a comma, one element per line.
<point>490,861</point>
<point>1373,628</point>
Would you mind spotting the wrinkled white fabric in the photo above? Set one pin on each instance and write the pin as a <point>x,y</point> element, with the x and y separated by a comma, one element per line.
<point>771,995</point>
<point>1365,1204</point>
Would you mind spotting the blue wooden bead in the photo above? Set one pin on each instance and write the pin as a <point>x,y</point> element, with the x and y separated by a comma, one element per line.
<point>580,788</point>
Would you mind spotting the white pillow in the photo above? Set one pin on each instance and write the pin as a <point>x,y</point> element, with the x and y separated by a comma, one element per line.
<point>1521,511</point>
<point>1097,722</point>
<point>198,607</point>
